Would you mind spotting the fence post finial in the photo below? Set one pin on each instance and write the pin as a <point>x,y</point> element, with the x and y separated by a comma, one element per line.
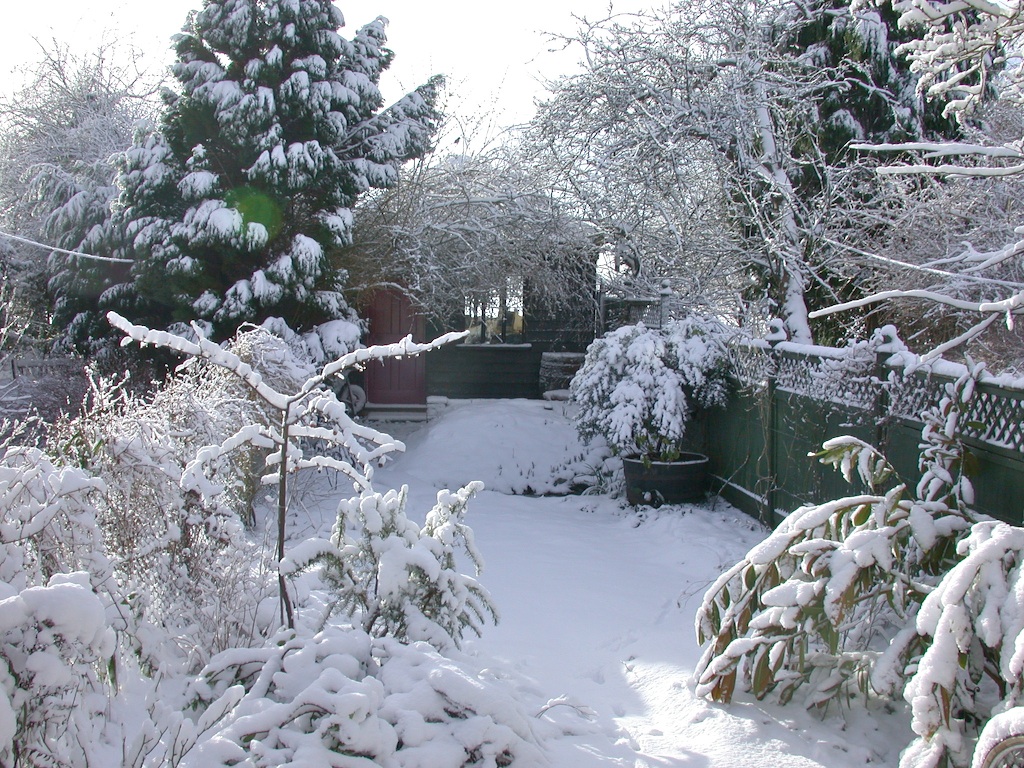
<point>776,332</point>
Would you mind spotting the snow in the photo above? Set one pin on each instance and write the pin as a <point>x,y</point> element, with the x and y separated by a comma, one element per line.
<point>597,604</point>
<point>590,665</point>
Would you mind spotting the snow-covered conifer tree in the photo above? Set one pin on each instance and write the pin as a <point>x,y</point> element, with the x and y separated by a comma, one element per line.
<point>232,207</point>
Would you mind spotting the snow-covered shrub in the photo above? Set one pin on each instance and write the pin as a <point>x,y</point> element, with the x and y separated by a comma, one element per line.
<point>224,403</point>
<point>325,342</point>
<point>55,649</point>
<point>638,386</point>
<point>57,604</point>
<point>194,579</point>
<point>345,698</point>
<point>398,580</point>
<point>47,520</point>
<point>308,414</point>
<point>892,591</point>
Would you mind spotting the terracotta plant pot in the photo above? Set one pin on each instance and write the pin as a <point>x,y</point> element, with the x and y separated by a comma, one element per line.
<point>666,482</point>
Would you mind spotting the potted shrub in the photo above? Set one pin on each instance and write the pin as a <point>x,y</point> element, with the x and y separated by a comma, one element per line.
<point>639,388</point>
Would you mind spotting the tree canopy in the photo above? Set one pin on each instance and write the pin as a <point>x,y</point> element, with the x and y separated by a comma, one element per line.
<point>712,140</point>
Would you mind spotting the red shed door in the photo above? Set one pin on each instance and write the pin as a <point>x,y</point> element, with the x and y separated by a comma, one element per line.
<point>395,382</point>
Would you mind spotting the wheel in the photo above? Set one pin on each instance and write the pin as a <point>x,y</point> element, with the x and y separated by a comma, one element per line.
<point>354,398</point>
<point>1008,753</point>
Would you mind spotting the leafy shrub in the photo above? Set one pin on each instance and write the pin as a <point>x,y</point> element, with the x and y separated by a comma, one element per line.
<point>343,697</point>
<point>398,580</point>
<point>192,578</point>
<point>58,604</point>
<point>638,386</point>
<point>890,592</point>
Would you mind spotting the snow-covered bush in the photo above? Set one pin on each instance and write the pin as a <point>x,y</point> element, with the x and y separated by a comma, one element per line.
<point>194,578</point>
<point>638,386</point>
<point>55,649</point>
<point>343,697</point>
<point>58,606</point>
<point>398,580</point>
<point>891,591</point>
<point>299,416</point>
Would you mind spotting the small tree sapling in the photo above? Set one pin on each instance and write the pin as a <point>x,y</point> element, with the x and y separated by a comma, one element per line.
<point>310,413</point>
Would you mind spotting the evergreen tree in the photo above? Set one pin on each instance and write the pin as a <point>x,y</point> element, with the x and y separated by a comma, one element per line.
<point>872,98</point>
<point>880,102</point>
<point>232,208</point>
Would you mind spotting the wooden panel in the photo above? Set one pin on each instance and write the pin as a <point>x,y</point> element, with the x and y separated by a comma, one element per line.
<point>485,371</point>
<point>396,381</point>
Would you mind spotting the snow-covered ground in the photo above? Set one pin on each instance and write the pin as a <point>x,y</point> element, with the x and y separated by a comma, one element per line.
<point>597,603</point>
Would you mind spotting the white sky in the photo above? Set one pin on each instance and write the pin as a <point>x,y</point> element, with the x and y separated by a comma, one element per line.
<point>488,53</point>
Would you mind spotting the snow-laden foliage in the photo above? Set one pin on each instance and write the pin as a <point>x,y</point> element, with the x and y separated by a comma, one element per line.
<point>345,698</point>
<point>233,207</point>
<point>59,605</point>
<point>57,134</point>
<point>893,592</point>
<point>55,652</point>
<point>399,580</point>
<point>127,557</point>
<point>638,386</point>
<point>965,53</point>
<point>309,413</point>
<point>709,143</point>
<point>456,229</point>
<point>962,48</point>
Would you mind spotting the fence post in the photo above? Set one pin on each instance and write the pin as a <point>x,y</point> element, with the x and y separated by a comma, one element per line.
<point>664,297</point>
<point>776,335</point>
<point>882,395</point>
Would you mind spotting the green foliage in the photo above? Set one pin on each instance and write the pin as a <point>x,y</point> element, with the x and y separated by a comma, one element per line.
<point>888,593</point>
<point>399,580</point>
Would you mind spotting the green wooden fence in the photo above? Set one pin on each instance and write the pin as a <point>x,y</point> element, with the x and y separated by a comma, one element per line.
<point>788,400</point>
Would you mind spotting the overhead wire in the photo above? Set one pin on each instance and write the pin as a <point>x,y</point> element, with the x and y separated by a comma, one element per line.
<point>55,249</point>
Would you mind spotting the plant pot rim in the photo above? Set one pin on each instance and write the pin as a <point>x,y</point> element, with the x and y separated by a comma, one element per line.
<point>686,457</point>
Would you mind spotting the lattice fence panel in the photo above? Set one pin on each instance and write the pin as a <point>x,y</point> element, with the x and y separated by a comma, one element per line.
<point>752,366</point>
<point>911,396</point>
<point>995,415</point>
<point>850,383</point>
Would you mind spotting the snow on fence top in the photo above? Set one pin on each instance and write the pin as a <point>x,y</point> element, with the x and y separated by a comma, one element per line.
<point>883,378</point>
